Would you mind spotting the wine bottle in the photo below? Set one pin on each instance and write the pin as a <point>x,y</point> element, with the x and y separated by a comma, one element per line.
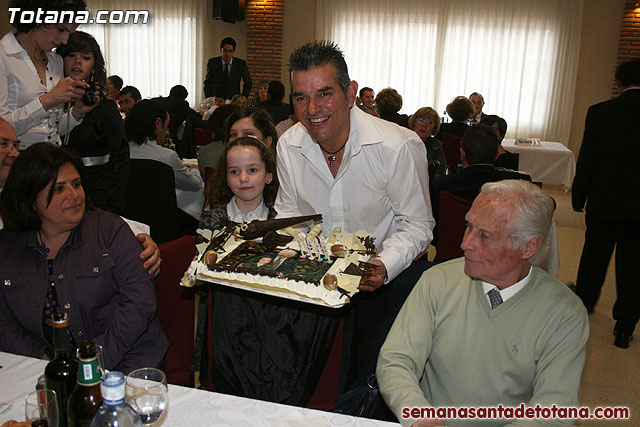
<point>60,373</point>
<point>86,398</point>
<point>115,412</point>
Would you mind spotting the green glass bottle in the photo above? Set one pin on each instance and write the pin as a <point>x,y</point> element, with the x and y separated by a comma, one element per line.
<point>86,398</point>
<point>60,373</point>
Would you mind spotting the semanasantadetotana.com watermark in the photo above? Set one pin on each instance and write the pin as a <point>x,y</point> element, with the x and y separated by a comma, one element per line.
<point>41,16</point>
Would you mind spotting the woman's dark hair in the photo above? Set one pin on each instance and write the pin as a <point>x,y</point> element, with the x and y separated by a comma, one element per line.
<point>116,81</point>
<point>490,119</point>
<point>261,120</point>
<point>85,43</point>
<point>34,169</point>
<point>218,191</point>
<point>140,124</point>
<point>32,6</point>
<point>218,119</point>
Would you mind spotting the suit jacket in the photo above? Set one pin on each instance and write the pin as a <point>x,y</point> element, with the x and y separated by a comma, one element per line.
<point>607,172</point>
<point>467,184</point>
<point>178,111</point>
<point>278,110</point>
<point>216,78</point>
<point>452,128</point>
<point>399,119</point>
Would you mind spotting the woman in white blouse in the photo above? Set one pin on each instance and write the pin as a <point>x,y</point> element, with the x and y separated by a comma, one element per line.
<point>32,88</point>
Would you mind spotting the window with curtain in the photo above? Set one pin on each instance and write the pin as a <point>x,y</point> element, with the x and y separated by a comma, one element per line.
<point>522,56</point>
<point>158,55</point>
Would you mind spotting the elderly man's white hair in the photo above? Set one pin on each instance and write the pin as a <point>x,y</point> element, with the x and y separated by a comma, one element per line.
<point>533,216</point>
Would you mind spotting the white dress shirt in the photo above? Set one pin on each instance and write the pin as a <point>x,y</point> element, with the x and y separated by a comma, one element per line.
<point>507,292</point>
<point>382,186</point>
<point>236,215</point>
<point>189,184</point>
<point>20,90</point>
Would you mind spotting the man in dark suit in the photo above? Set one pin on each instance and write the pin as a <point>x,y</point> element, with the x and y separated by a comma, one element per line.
<point>227,71</point>
<point>178,109</point>
<point>277,109</point>
<point>478,103</point>
<point>607,178</point>
<point>478,151</point>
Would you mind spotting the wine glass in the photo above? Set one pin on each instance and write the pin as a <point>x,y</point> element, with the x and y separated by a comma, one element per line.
<point>41,409</point>
<point>147,393</point>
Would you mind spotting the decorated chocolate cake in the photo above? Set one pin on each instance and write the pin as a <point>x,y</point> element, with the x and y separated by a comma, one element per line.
<point>285,263</point>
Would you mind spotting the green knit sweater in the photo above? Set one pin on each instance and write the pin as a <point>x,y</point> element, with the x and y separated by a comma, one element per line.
<point>448,348</point>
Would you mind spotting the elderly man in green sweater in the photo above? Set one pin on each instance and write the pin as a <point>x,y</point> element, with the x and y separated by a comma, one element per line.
<point>488,329</point>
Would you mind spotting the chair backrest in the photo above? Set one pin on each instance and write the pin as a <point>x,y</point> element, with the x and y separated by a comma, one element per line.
<point>176,308</point>
<point>151,198</point>
<point>451,226</point>
<point>202,137</point>
<point>451,148</point>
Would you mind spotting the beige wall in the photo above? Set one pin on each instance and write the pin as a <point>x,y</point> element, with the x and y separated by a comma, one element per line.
<point>299,28</point>
<point>601,25</point>
<point>4,17</point>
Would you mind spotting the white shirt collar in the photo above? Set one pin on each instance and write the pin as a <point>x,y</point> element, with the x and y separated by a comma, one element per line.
<point>236,215</point>
<point>629,88</point>
<point>11,44</point>
<point>362,131</point>
<point>508,292</point>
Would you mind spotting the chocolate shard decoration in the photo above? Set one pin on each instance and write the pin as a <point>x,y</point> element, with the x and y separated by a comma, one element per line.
<point>258,228</point>
<point>273,239</point>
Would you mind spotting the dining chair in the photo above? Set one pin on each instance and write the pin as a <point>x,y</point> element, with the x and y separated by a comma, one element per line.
<point>151,198</point>
<point>176,309</point>
<point>202,137</point>
<point>451,148</point>
<point>451,226</point>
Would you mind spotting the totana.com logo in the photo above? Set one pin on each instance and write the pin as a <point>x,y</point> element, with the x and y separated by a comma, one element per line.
<point>41,16</point>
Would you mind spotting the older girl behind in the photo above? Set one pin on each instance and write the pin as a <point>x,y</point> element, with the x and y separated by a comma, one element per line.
<point>100,139</point>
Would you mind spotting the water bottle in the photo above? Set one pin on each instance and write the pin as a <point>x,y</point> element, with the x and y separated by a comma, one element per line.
<point>114,412</point>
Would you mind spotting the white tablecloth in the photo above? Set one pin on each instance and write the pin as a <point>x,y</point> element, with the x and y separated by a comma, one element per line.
<point>187,406</point>
<point>549,162</point>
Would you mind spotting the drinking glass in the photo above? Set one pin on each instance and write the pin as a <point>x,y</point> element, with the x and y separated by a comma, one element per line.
<point>147,393</point>
<point>41,409</point>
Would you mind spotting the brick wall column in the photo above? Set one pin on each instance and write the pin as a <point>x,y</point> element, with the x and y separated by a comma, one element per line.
<point>629,45</point>
<point>265,20</point>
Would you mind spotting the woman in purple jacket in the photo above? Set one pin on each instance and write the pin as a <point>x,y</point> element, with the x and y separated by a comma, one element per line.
<point>60,255</point>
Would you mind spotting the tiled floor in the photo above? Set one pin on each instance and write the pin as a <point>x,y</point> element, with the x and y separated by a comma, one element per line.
<point>611,375</point>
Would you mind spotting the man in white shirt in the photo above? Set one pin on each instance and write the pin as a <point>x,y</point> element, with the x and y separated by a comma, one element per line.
<point>356,170</point>
<point>9,143</point>
<point>488,329</point>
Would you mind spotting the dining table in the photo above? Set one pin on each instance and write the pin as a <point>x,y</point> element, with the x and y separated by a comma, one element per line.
<point>547,161</point>
<point>188,407</point>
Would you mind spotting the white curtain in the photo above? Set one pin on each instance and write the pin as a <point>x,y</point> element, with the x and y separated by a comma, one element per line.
<point>158,55</point>
<point>521,55</point>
